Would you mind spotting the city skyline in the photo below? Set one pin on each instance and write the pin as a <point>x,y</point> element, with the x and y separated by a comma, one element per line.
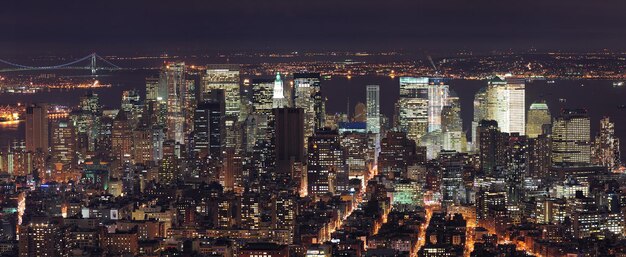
<point>313,129</point>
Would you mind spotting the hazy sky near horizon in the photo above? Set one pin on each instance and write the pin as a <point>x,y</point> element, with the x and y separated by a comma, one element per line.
<point>143,25</point>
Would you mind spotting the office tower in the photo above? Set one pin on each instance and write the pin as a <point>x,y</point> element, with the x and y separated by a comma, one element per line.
<point>173,79</point>
<point>516,166</point>
<point>209,125</point>
<point>320,109</point>
<point>307,86</point>
<point>326,164</point>
<point>373,109</point>
<point>231,172</point>
<point>37,128</point>
<point>452,125</point>
<point>169,164</point>
<point>538,116</point>
<point>359,153</point>
<point>288,138</point>
<point>257,124</point>
<point>413,107</point>
<point>262,93</point>
<point>438,94</point>
<point>63,143</point>
<point>507,103</point>
<point>571,134</point>
<point>539,155</point>
<point>130,100</point>
<point>154,89</point>
<point>189,105</point>
<point>90,102</point>
<point>480,113</point>
<point>451,163</point>
<point>491,152</point>
<point>143,152</point>
<point>224,77</point>
<point>278,96</point>
<point>121,137</point>
<point>397,153</point>
<point>605,151</point>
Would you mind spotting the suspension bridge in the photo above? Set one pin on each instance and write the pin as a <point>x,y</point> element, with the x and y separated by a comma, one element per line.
<point>92,62</point>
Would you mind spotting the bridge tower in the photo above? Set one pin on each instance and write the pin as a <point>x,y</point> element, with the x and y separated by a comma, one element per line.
<point>93,64</point>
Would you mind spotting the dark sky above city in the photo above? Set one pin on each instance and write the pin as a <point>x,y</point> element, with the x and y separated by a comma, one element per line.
<point>145,25</point>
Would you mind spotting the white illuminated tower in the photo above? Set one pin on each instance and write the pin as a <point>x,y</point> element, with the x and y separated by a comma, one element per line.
<point>508,105</point>
<point>279,96</point>
<point>373,109</point>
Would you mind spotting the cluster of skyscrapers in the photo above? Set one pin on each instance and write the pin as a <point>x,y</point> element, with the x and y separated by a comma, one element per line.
<point>208,163</point>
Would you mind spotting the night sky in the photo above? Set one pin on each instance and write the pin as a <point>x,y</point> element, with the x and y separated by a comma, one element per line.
<point>143,25</point>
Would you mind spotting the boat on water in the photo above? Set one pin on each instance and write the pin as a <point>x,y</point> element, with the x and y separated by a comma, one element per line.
<point>618,83</point>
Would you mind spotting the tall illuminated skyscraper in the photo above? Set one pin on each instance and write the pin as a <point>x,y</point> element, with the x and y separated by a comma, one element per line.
<point>606,146</point>
<point>326,164</point>
<point>452,125</point>
<point>438,94</point>
<point>373,109</point>
<point>508,104</point>
<point>420,104</point>
<point>37,128</point>
<point>209,128</point>
<point>413,107</point>
<point>63,144</point>
<point>480,113</point>
<point>307,85</point>
<point>224,77</point>
<point>263,91</point>
<point>278,97</point>
<point>571,139</point>
<point>121,137</point>
<point>538,116</point>
<point>153,89</point>
<point>173,77</point>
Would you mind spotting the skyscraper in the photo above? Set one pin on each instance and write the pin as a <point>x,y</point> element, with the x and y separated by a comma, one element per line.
<point>209,125</point>
<point>37,128</point>
<point>507,103</point>
<point>288,138</point>
<point>224,77</point>
<point>173,77</point>
<point>491,152</point>
<point>63,143</point>
<point>373,109</point>
<point>571,138</point>
<point>306,86</point>
<point>121,137</point>
<point>326,164</point>
<point>606,146</point>
<point>262,101</point>
<point>154,89</point>
<point>413,107</point>
<point>480,113</point>
<point>452,125</point>
<point>438,94</point>
<point>278,96</point>
<point>538,116</point>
